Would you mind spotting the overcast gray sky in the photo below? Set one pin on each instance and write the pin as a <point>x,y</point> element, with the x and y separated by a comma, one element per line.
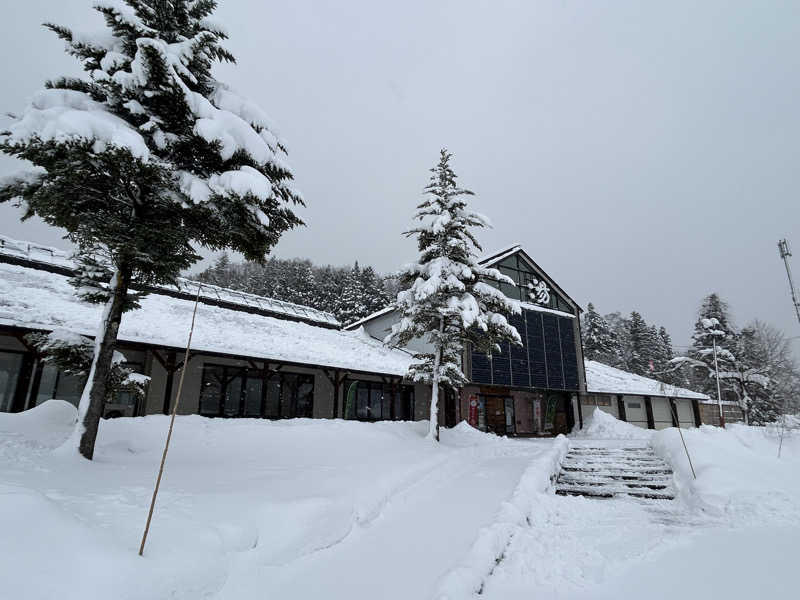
<point>645,154</point>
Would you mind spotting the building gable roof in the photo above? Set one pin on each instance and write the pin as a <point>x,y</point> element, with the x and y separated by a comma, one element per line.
<point>492,259</point>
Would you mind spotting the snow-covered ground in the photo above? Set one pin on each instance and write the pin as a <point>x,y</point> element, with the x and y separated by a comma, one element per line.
<point>733,533</point>
<point>247,508</point>
<point>334,509</point>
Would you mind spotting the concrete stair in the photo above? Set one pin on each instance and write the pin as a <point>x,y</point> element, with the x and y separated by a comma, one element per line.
<point>608,472</point>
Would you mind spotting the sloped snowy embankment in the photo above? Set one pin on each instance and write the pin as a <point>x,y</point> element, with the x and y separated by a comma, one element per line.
<point>247,508</point>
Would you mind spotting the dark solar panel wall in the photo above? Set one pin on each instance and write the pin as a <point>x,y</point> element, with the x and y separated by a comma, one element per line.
<point>552,352</point>
<point>519,354</point>
<point>501,366</point>
<point>568,353</point>
<point>547,359</point>
<point>481,368</point>
<point>535,345</point>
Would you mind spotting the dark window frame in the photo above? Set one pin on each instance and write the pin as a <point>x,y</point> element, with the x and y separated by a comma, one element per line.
<point>399,394</point>
<point>289,384</point>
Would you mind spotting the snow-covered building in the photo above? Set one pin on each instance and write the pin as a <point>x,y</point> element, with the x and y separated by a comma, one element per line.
<point>544,386</point>
<point>257,357</point>
<point>251,356</point>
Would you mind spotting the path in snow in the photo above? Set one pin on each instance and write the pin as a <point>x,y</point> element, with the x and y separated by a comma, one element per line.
<point>422,533</point>
<point>576,544</point>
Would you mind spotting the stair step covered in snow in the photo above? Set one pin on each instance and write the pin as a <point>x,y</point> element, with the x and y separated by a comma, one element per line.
<point>607,472</point>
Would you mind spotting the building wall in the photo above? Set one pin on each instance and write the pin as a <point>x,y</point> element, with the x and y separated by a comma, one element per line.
<point>709,413</point>
<point>605,402</point>
<point>381,326</point>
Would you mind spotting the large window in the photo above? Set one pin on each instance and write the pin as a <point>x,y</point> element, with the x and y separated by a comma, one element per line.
<point>527,282</point>
<point>10,367</point>
<point>376,401</point>
<point>54,383</point>
<point>240,392</point>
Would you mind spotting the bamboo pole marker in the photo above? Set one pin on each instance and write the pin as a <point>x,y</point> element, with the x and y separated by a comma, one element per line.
<point>171,423</point>
<point>680,431</point>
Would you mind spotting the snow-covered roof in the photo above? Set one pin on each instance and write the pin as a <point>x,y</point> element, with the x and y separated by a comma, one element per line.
<point>52,257</point>
<point>38,299</point>
<point>368,318</point>
<point>491,259</point>
<point>603,379</point>
<point>500,254</point>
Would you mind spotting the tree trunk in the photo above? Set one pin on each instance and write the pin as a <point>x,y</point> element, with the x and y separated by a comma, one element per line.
<point>93,399</point>
<point>433,430</point>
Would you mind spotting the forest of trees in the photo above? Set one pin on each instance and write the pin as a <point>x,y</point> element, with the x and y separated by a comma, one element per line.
<point>348,293</point>
<point>756,365</point>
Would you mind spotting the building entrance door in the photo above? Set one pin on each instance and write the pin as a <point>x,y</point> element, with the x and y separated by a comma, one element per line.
<point>497,412</point>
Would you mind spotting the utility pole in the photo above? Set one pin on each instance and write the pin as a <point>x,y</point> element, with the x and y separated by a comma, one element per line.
<point>783,249</point>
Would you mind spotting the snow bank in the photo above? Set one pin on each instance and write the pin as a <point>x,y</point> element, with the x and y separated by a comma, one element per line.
<point>468,578</point>
<point>604,426</point>
<point>739,476</point>
<point>44,426</point>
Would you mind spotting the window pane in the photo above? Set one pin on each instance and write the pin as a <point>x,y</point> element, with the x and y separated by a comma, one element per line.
<point>362,411</point>
<point>70,388</point>
<point>350,399</point>
<point>288,396</point>
<point>375,400</point>
<point>273,410</point>
<point>211,390</point>
<point>47,384</point>
<point>252,402</point>
<point>10,365</point>
<point>305,396</point>
<point>386,404</point>
<point>233,395</point>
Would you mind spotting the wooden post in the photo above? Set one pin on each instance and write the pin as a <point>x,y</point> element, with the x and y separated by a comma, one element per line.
<point>674,413</point>
<point>696,410</point>
<point>171,424</point>
<point>648,406</point>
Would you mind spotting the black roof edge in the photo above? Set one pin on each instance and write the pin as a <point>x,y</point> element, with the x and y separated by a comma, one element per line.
<point>510,252</point>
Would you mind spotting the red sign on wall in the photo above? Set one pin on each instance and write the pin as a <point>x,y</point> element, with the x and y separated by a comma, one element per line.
<point>473,410</point>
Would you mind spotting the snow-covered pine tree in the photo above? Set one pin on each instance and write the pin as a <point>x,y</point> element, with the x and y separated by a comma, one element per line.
<point>701,351</point>
<point>352,304</point>
<point>146,155</point>
<point>446,300</point>
<point>600,342</point>
<point>375,297</point>
<point>640,350</point>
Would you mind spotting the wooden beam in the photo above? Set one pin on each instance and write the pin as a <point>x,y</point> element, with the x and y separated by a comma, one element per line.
<point>696,410</point>
<point>673,411</point>
<point>648,406</point>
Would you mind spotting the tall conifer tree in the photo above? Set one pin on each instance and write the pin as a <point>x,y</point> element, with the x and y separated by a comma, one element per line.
<point>446,300</point>
<point>145,156</point>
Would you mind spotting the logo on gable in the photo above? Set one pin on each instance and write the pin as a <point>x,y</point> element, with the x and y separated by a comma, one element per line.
<point>539,292</point>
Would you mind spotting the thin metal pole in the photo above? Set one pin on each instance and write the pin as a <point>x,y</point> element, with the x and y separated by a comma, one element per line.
<point>171,424</point>
<point>680,431</point>
<point>783,248</point>
<point>719,394</point>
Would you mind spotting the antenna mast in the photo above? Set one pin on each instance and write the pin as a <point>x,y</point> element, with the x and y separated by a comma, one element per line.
<point>783,248</point>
